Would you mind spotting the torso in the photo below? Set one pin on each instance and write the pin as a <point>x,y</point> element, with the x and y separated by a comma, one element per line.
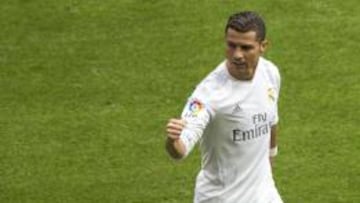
<point>235,144</point>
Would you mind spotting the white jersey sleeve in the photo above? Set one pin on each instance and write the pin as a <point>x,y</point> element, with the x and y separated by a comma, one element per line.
<point>276,120</point>
<point>197,113</point>
<point>275,80</point>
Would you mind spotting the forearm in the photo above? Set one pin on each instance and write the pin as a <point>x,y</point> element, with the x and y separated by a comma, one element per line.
<point>273,144</point>
<point>273,140</point>
<point>175,148</point>
<point>183,136</point>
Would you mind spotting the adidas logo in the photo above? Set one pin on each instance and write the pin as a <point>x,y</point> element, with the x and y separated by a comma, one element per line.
<point>237,109</point>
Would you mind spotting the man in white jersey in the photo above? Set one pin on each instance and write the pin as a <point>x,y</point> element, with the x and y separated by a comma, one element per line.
<point>233,115</point>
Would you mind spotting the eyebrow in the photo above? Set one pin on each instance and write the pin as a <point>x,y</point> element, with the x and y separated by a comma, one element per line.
<point>242,46</point>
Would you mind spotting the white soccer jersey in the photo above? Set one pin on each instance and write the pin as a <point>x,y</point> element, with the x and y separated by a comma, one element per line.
<point>231,119</point>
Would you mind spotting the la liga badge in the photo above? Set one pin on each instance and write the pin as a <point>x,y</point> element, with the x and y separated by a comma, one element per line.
<point>195,107</point>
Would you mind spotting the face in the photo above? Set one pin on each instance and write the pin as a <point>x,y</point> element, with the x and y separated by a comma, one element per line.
<point>242,52</point>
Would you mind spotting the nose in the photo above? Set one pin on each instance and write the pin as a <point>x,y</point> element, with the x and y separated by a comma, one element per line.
<point>238,54</point>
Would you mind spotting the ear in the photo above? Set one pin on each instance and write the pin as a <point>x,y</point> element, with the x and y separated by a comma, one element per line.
<point>263,45</point>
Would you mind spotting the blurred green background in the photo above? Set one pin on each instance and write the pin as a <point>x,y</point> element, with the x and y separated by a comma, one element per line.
<point>86,88</point>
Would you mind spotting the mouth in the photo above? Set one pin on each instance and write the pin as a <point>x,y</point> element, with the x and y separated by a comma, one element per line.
<point>239,64</point>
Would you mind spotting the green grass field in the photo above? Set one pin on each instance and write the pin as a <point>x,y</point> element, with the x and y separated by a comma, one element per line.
<point>86,88</point>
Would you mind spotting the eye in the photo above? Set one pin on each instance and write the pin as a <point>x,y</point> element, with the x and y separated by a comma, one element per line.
<point>246,47</point>
<point>231,45</point>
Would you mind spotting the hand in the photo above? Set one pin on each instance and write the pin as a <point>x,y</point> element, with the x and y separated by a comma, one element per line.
<point>174,128</point>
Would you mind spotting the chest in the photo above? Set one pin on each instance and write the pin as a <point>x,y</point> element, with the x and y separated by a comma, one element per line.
<point>248,104</point>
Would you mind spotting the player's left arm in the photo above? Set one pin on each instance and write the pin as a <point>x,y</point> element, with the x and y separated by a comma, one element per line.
<point>274,125</point>
<point>273,144</point>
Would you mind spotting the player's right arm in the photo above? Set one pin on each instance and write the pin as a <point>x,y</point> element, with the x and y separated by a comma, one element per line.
<point>183,134</point>
<point>174,146</point>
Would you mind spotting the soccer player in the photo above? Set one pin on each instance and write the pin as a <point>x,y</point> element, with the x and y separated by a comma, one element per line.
<point>233,115</point>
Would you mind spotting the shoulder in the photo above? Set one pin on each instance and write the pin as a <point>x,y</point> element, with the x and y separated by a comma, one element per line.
<point>271,70</point>
<point>212,84</point>
<point>213,81</point>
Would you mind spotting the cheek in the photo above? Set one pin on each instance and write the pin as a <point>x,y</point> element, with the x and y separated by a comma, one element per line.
<point>251,57</point>
<point>228,53</point>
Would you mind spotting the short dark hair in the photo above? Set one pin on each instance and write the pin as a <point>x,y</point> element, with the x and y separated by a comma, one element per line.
<point>247,21</point>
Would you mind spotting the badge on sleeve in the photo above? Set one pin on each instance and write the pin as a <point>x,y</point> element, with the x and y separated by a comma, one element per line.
<point>195,107</point>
